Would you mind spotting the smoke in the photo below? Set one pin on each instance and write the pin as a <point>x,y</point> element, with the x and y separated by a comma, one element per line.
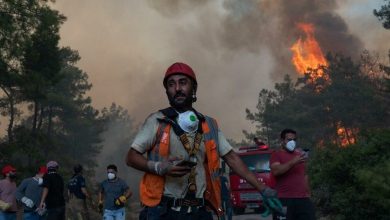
<point>120,131</point>
<point>236,49</point>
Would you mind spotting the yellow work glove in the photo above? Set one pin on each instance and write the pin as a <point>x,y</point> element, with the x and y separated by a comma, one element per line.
<point>120,201</point>
<point>4,206</point>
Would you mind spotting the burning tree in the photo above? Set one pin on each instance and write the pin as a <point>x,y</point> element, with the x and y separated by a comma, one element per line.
<point>347,105</point>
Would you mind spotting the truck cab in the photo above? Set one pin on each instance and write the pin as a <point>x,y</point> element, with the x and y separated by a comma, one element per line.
<point>243,195</point>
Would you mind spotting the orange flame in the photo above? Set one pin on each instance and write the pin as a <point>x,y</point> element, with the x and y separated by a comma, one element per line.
<point>307,52</point>
<point>346,135</point>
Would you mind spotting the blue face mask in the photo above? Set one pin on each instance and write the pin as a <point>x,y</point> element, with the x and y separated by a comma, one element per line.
<point>290,146</point>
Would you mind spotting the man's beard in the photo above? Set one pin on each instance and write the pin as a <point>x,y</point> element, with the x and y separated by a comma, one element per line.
<point>187,102</point>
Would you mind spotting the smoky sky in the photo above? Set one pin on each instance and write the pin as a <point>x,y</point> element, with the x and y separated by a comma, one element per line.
<point>236,48</point>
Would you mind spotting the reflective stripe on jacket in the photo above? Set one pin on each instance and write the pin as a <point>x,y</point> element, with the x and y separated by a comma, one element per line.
<point>152,185</point>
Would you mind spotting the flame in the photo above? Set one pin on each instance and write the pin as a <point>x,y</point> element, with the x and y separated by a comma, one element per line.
<point>346,135</point>
<point>307,52</point>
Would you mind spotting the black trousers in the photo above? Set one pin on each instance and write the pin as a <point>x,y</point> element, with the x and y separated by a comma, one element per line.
<point>56,213</point>
<point>161,213</point>
<point>297,209</point>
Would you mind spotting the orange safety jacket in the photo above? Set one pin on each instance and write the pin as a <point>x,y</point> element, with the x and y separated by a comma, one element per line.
<point>152,185</point>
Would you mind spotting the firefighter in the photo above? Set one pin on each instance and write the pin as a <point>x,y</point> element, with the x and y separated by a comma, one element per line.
<point>183,149</point>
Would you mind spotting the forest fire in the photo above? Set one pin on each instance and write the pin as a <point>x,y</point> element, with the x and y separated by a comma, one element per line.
<point>307,53</point>
<point>307,59</point>
<point>346,135</point>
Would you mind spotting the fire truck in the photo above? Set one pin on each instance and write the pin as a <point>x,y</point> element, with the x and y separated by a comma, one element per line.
<point>243,195</point>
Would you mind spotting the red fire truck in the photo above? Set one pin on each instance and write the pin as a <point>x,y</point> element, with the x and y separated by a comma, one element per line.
<point>243,195</point>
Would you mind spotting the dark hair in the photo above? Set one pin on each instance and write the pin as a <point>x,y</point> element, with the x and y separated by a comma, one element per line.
<point>77,169</point>
<point>113,167</point>
<point>285,131</point>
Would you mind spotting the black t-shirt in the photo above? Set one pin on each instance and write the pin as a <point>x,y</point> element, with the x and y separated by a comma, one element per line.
<point>55,197</point>
<point>75,184</point>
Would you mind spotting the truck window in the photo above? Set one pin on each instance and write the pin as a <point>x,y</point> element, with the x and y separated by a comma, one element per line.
<point>257,162</point>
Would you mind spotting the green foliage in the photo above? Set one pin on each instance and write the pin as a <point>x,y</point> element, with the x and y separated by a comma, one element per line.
<point>318,107</point>
<point>384,14</point>
<point>348,181</point>
<point>60,123</point>
<point>353,182</point>
<point>271,107</point>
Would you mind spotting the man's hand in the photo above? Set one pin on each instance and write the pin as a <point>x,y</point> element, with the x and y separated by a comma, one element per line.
<point>4,206</point>
<point>299,159</point>
<point>163,168</point>
<point>271,201</point>
<point>120,201</point>
<point>28,202</point>
<point>100,207</point>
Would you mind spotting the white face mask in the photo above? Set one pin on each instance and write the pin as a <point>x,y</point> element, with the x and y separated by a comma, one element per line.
<point>290,146</point>
<point>111,176</point>
<point>40,181</point>
<point>188,121</point>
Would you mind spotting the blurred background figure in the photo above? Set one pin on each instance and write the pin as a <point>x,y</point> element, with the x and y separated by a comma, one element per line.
<point>29,193</point>
<point>114,192</point>
<point>225,196</point>
<point>53,193</point>
<point>77,193</point>
<point>8,206</point>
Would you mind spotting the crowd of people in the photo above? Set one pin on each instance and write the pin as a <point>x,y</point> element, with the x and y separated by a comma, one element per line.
<point>179,150</point>
<point>44,195</point>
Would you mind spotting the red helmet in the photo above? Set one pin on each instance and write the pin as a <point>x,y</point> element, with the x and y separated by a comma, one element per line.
<point>7,169</point>
<point>180,68</point>
<point>42,170</point>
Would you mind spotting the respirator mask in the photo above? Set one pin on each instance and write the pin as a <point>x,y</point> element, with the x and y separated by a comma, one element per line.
<point>188,121</point>
<point>111,176</point>
<point>290,146</point>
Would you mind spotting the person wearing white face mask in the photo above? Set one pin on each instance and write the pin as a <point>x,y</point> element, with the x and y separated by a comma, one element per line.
<point>113,195</point>
<point>288,166</point>
<point>180,150</point>
<point>29,194</point>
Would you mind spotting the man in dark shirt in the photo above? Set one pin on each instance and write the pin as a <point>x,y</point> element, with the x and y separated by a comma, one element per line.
<point>78,194</point>
<point>29,192</point>
<point>53,193</point>
<point>114,193</point>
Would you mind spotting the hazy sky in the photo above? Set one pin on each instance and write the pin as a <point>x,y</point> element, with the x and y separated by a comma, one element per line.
<point>236,48</point>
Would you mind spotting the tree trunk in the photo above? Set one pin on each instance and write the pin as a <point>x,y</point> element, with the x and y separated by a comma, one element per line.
<point>35,118</point>
<point>41,115</point>
<point>49,123</point>
<point>11,120</point>
<point>11,112</point>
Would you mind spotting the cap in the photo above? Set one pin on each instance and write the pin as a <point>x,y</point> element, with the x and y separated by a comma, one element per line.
<point>7,169</point>
<point>42,170</point>
<point>52,164</point>
<point>179,68</point>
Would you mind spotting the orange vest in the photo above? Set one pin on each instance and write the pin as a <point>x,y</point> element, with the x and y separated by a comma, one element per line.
<point>152,185</point>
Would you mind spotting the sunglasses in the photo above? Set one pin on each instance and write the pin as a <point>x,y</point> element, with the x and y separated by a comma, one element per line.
<point>291,139</point>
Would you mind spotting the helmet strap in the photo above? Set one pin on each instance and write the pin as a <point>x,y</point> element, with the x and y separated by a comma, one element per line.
<point>194,96</point>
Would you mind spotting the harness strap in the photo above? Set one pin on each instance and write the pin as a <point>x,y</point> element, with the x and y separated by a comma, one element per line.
<point>170,116</point>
